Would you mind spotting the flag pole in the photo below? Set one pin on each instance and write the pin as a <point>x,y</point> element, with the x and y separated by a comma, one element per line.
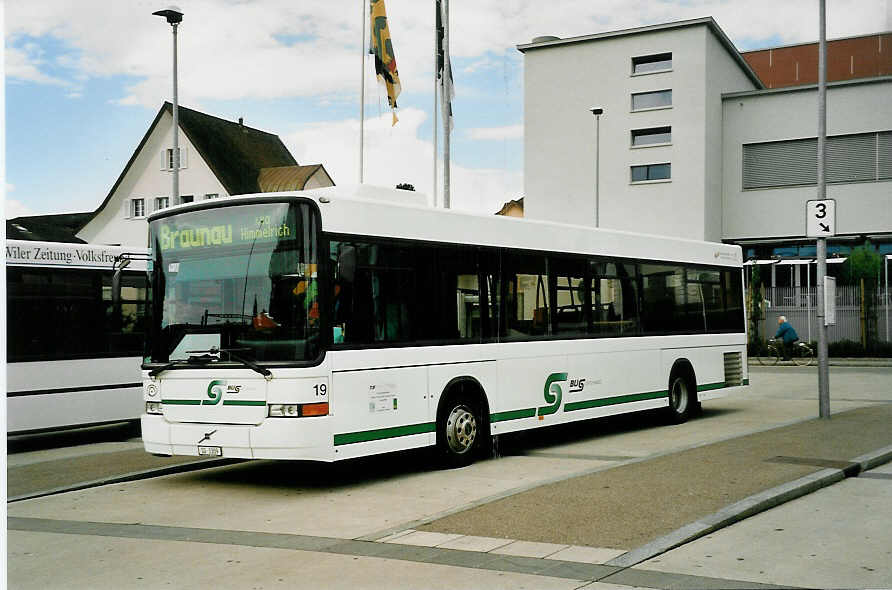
<point>436,72</point>
<point>447,91</point>
<point>362,92</point>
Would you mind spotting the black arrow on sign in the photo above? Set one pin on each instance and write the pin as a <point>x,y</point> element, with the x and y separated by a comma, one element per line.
<point>824,227</point>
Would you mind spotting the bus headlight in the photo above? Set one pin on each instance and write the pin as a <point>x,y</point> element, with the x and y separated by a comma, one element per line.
<point>153,407</point>
<point>298,410</point>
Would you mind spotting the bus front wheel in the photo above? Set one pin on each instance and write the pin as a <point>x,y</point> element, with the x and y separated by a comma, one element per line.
<point>460,432</point>
<point>682,399</point>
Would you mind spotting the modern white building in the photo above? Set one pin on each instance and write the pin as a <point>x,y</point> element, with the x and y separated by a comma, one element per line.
<point>217,158</point>
<point>693,145</point>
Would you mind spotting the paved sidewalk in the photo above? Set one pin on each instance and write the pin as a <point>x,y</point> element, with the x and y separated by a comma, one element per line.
<point>633,504</point>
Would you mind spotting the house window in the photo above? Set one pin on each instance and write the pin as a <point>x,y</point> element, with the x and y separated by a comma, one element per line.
<point>651,136</point>
<point>162,203</point>
<point>647,64</point>
<point>651,100</point>
<point>651,172</point>
<point>168,158</point>
<point>187,198</point>
<point>211,196</point>
<point>137,207</point>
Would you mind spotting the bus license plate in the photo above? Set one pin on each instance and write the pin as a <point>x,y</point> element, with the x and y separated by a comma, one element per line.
<point>210,451</point>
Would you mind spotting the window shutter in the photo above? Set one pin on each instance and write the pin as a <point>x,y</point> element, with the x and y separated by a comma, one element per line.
<point>162,160</point>
<point>884,155</point>
<point>149,204</point>
<point>184,157</point>
<point>851,158</point>
<point>125,209</point>
<point>780,163</point>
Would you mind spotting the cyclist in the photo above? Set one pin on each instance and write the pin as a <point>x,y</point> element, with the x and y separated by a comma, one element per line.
<point>790,337</point>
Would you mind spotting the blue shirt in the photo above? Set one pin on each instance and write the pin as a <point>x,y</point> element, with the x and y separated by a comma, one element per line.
<point>787,332</point>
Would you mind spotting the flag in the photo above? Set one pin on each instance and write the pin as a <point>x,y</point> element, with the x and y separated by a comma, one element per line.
<point>382,49</point>
<point>447,90</point>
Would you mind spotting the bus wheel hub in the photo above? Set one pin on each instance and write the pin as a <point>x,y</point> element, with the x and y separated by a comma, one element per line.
<point>461,429</point>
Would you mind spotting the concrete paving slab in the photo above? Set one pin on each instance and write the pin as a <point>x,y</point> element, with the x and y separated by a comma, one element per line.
<point>425,539</point>
<point>838,537</point>
<point>396,535</point>
<point>132,563</point>
<point>474,543</point>
<point>529,549</point>
<point>586,554</point>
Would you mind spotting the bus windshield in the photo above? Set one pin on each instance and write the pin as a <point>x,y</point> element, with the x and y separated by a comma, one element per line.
<point>239,278</point>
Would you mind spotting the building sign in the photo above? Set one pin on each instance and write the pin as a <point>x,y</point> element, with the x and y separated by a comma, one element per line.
<point>26,253</point>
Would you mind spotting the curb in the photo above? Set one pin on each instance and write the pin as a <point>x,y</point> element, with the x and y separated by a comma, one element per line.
<point>751,506</point>
<point>132,476</point>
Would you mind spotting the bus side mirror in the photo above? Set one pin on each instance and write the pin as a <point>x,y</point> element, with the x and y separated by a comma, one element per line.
<point>116,280</point>
<point>347,264</point>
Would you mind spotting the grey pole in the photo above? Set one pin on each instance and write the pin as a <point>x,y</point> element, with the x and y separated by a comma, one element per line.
<point>823,366</point>
<point>597,112</point>
<point>447,92</point>
<point>174,17</point>
<point>176,124</point>
<point>362,91</point>
<point>434,111</point>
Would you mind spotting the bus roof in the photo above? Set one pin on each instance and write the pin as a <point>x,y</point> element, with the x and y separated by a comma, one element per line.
<point>400,214</point>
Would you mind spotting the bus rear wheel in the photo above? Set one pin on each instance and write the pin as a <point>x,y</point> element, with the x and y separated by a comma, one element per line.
<point>460,432</point>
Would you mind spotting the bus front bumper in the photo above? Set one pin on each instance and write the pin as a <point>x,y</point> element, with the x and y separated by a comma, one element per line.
<point>275,438</point>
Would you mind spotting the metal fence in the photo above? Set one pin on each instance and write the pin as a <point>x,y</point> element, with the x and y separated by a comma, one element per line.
<point>798,304</point>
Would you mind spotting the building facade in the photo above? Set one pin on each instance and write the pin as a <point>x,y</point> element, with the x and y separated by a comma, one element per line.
<point>218,158</point>
<point>693,144</point>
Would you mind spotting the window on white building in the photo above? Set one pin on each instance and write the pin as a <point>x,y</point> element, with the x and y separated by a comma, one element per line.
<point>162,203</point>
<point>651,136</point>
<point>211,196</point>
<point>647,64</point>
<point>137,207</point>
<point>651,172</point>
<point>859,157</point>
<point>651,100</point>
<point>168,158</point>
<point>187,198</point>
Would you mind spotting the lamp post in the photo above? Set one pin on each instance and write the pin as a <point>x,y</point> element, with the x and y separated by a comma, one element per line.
<point>597,112</point>
<point>174,17</point>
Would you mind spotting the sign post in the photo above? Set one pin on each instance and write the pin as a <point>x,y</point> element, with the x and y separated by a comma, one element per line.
<point>821,215</point>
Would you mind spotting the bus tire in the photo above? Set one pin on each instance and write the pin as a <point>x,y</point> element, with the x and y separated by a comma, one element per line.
<point>682,397</point>
<point>462,433</point>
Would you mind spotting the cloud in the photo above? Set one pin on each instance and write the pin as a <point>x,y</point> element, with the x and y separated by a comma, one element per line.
<point>496,133</point>
<point>396,154</point>
<point>13,208</point>
<point>280,48</point>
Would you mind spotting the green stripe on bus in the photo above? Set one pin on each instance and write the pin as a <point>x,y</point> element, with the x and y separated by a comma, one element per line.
<point>611,401</point>
<point>243,402</point>
<point>710,386</point>
<point>181,402</point>
<point>349,438</point>
<point>512,415</point>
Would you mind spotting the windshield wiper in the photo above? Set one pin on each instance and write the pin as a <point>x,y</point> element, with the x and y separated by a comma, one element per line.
<point>158,370</point>
<point>207,357</point>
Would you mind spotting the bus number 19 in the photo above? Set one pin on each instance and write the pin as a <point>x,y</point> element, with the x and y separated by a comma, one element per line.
<point>320,389</point>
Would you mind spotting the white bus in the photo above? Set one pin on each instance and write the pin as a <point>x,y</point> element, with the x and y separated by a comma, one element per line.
<point>326,325</point>
<point>73,355</point>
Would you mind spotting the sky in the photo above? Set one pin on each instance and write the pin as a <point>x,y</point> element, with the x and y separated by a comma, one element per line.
<point>85,79</point>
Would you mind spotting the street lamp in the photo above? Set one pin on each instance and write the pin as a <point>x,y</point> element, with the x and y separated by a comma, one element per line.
<point>174,17</point>
<point>597,112</point>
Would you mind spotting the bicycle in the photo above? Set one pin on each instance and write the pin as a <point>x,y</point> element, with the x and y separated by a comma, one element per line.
<point>801,354</point>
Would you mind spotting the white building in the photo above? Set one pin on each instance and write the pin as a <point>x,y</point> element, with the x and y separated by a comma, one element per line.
<point>692,145</point>
<point>217,158</point>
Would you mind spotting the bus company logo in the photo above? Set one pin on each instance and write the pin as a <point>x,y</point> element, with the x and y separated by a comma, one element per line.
<point>553,394</point>
<point>216,389</point>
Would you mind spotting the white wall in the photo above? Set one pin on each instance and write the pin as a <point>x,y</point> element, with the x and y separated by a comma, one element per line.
<point>562,82</point>
<point>864,207</point>
<point>148,179</point>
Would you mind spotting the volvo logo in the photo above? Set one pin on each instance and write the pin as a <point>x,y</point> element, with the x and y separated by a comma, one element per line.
<point>207,436</point>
